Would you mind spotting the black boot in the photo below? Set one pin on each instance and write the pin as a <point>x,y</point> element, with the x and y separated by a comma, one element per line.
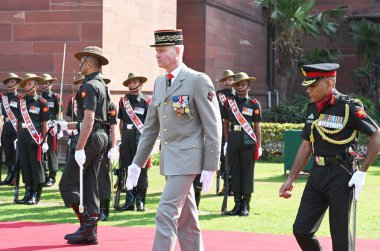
<point>237,208</point>
<point>8,179</point>
<point>104,210</point>
<point>129,202</point>
<point>197,198</point>
<point>51,179</point>
<point>245,205</point>
<point>87,232</point>
<point>140,199</point>
<point>28,194</point>
<point>37,190</point>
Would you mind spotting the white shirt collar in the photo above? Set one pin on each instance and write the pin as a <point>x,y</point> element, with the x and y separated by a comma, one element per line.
<point>176,71</point>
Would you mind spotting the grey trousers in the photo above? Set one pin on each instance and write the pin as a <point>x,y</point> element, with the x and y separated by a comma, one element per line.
<point>177,216</point>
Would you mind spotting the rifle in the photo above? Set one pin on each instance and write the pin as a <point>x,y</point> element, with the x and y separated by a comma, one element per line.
<point>119,186</point>
<point>217,181</point>
<point>226,182</point>
<point>16,178</point>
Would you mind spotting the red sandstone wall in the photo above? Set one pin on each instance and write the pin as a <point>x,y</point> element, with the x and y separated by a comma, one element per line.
<point>33,34</point>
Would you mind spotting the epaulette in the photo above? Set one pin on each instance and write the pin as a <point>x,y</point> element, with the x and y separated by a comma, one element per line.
<point>357,102</point>
<point>57,95</point>
<point>255,101</point>
<point>20,96</point>
<point>43,100</point>
<point>121,102</point>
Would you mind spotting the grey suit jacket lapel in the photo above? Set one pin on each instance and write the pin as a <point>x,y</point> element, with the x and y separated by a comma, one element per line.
<point>177,83</point>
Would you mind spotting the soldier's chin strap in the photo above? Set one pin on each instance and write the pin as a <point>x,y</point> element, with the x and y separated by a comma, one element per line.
<point>27,91</point>
<point>133,89</point>
<point>13,86</point>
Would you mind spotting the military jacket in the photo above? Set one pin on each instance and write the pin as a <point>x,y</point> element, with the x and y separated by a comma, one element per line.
<point>249,108</point>
<point>13,103</point>
<point>93,96</point>
<point>112,111</point>
<point>53,101</point>
<point>341,115</point>
<point>38,110</point>
<point>139,103</point>
<point>224,93</point>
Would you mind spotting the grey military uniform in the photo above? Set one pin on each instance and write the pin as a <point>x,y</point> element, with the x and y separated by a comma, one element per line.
<point>190,143</point>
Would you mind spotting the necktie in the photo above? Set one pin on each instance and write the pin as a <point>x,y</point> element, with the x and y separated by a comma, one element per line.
<point>170,76</point>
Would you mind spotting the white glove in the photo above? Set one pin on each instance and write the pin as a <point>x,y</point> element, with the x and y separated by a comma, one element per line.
<point>63,124</point>
<point>112,153</point>
<point>59,134</point>
<point>206,180</point>
<point>55,130</point>
<point>358,180</point>
<point>45,147</point>
<point>15,143</point>
<point>225,149</point>
<point>133,176</point>
<point>80,157</point>
<point>260,151</point>
<point>49,123</point>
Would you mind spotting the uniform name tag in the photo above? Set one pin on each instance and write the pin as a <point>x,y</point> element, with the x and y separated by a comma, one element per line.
<point>34,109</point>
<point>139,110</point>
<point>51,104</point>
<point>247,111</point>
<point>13,104</point>
<point>331,121</point>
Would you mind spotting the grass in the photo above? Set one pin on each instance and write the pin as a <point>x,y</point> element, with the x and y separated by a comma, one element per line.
<point>269,213</point>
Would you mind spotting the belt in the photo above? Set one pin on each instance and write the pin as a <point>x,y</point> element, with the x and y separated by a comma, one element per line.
<point>325,161</point>
<point>236,128</point>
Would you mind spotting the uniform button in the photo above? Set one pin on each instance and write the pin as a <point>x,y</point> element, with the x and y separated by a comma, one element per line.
<point>165,103</point>
<point>193,146</point>
<point>164,116</point>
<point>165,129</point>
<point>166,143</point>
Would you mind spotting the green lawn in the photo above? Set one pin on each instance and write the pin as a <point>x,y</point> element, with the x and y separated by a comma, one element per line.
<point>269,213</point>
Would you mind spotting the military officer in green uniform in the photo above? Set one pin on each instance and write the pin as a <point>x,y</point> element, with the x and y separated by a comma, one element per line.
<point>330,137</point>
<point>9,107</point>
<point>241,119</point>
<point>88,147</point>
<point>227,79</point>
<point>133,109</point>
<point>104,176</point>
<point>53,100</point>
<point>33,115</point>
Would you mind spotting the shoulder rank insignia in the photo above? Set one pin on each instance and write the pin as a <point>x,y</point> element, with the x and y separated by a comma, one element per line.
<point>360,113</point>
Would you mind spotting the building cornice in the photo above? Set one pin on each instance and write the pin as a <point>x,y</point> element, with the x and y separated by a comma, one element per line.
<point>234,11</point>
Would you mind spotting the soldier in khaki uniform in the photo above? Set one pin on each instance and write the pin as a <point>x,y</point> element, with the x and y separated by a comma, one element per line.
<point>185,112</point>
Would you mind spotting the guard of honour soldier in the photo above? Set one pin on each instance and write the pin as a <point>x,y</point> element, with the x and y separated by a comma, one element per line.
<point>330,135</point>
<point>133,108</point>
<point>53,100</point>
